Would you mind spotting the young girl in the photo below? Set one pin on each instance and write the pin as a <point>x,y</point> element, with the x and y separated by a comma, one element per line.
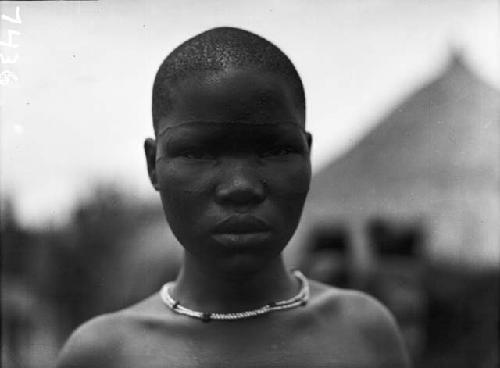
<point>231,162</point>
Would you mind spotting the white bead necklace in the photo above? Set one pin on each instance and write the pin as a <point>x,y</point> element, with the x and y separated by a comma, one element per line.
<point>300,298</point>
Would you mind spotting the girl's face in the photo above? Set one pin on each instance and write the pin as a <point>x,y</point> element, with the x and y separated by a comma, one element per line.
<point>233,167</point>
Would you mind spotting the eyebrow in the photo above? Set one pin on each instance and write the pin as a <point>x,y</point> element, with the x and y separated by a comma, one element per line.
<point>217,124</point>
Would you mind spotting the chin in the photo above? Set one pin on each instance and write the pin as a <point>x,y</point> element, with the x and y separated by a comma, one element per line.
<point>240,266</point>
<point>238,261</point>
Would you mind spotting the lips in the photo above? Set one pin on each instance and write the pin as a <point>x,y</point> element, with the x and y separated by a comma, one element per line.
<point>241,224</point>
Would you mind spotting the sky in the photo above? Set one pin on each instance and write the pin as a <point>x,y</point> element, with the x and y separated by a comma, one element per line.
<point>80,108</point>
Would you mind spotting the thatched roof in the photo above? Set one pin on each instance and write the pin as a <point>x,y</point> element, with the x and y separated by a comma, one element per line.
<point>443,137</point>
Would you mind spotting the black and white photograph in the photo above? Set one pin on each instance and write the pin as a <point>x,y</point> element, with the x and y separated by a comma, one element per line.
<point>268,183</point>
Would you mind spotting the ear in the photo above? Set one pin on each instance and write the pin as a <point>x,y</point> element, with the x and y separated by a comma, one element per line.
<point>150,151</point>
<point>309,140</point>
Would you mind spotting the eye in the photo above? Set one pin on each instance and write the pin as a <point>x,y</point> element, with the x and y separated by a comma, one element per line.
<point>194,154</point>
<point>278,151</point>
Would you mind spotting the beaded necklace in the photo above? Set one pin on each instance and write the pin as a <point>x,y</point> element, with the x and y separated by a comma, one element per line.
<point>300,298</point>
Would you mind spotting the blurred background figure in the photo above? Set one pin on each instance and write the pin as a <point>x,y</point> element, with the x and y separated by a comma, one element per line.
<point>405,196</point>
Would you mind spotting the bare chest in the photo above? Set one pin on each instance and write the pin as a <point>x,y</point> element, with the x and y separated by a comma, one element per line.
<point>247,347</point>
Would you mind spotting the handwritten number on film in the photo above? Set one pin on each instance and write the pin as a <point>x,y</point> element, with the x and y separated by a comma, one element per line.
<point>8,42</point>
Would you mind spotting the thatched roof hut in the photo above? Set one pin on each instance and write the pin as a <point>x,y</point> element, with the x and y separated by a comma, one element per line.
<point>433,161</point>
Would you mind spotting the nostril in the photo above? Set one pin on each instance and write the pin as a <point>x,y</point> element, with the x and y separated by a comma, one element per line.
<point>241,192</point>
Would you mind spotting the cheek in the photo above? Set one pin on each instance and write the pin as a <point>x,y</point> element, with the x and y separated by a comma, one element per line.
<point>288,189</point>
<point>184,192</point>
<point>179,179</point>
<point>290,180</point>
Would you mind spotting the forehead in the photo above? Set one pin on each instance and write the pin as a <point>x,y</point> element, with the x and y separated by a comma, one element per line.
<point>233,96</point>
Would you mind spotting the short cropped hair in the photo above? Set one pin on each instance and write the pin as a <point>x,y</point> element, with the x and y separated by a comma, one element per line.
<point>216,50</point>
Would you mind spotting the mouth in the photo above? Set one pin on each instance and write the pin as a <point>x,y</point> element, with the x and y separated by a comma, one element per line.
<point>241,240</point>
<point>241,231</point>
<point>241,225</point>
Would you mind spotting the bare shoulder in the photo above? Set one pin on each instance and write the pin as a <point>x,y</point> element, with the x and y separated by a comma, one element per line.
<point>352,306</point>
<point>103,341</point>
<point>94,344</point>
<point>364,314</point>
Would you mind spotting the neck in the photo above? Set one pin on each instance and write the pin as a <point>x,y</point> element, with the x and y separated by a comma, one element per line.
<point>210,290</point>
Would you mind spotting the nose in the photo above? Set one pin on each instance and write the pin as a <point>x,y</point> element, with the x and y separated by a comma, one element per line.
<point>240,186</point>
